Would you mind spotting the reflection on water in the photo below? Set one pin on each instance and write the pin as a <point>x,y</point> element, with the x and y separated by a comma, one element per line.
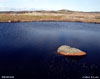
<point>30,48</point>
<point>74,58</point>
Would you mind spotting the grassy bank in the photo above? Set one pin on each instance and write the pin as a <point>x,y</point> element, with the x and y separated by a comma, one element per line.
<point>50,16</point>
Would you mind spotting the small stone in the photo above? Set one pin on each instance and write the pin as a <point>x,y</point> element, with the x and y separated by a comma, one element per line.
<point>69,51</point>
<point>9,21</point>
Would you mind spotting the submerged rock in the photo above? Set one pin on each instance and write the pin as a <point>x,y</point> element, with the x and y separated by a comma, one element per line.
<point>69,51</point>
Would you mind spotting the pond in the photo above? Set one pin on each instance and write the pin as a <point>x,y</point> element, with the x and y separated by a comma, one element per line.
<point>29,50</point>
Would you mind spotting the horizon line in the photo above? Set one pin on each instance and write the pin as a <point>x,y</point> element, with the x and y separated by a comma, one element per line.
<point>44,10</point>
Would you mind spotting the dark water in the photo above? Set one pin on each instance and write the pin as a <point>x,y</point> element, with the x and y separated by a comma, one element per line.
<point>28,50</point>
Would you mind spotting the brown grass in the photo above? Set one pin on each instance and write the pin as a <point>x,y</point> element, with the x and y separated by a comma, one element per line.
<point>50,16</point>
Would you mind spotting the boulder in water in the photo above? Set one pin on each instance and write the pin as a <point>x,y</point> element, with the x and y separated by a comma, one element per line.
<point>69,51</point>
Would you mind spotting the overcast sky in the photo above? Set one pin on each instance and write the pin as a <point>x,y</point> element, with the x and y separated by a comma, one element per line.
<point>77,5</point>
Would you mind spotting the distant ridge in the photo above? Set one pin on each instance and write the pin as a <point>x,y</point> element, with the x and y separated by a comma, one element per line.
<point>6,9</point>
<point>65,10</point>
<point>47,11</point>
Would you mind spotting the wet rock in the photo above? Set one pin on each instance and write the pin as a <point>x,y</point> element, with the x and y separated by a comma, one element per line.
<point>69,51</point>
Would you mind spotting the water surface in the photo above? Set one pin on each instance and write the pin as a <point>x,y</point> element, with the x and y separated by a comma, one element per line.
<point>28,50</point>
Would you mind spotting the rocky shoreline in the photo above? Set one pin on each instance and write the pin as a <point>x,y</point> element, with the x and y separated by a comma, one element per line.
<point>48,21</point>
